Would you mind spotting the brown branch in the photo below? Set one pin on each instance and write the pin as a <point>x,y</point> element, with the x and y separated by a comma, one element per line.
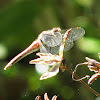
<point>86,85</point>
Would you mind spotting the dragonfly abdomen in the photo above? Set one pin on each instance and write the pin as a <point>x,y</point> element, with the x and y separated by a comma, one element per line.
<point>32,48</point>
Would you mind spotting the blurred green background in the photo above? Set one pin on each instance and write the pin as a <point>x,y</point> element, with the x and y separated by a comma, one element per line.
<point>21,21</point>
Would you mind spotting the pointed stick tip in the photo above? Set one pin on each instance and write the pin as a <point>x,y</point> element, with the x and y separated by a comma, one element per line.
<point>5,68</point>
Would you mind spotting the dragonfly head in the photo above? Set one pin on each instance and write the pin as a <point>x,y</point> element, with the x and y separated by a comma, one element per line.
<point>56,30</point>
<point>99,55</point>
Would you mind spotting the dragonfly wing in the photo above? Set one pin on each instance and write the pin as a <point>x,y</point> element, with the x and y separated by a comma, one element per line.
<point>55,50</point>
<point>57,39</point>
<point>68,45</point>
<point>52,43</point>
<point>75,34</point>
<point>52,50</point>
<point>52,40</point>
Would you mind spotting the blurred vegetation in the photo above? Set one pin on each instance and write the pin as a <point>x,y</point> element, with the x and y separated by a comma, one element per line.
<point>21,21</point>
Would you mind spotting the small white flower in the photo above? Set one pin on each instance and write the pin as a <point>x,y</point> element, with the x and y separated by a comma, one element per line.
<point>45,97</point>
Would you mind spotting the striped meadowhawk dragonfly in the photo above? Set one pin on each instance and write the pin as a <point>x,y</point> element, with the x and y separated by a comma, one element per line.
<point>49,42</point>
<point>53,60</point>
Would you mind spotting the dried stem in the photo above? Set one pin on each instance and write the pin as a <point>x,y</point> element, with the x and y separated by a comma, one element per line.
<point>86,85</point>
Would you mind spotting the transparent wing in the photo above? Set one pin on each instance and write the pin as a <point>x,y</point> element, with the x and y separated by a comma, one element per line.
<point>68,45</point>
<point>42,48</point>
<point>75,34</point>
<point>52,40</point>
<point>53,50</point>
<point>52,43</point>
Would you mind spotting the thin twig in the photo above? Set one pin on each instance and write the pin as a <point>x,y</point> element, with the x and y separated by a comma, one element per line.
<point>86,85</point>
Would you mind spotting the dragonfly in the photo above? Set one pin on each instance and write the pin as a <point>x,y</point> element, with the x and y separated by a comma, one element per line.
<point>53,59</point>
<point>49,42</point>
